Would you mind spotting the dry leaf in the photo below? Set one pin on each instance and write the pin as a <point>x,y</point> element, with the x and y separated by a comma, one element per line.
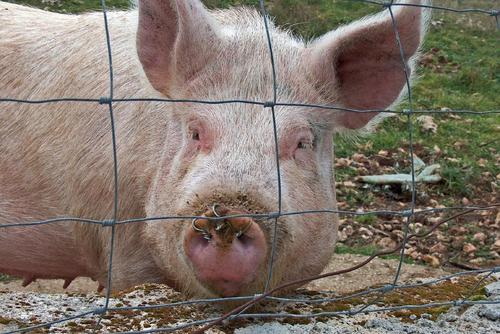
<point>427,123</point>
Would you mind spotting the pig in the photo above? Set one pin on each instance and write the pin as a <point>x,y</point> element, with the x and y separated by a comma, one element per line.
<point>183,159</point>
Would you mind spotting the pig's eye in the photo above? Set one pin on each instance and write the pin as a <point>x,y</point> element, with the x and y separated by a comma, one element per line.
<point>304,145</point>
<point>195,135</point>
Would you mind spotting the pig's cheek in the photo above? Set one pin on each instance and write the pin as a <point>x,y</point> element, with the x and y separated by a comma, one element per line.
<point>162,240</point>
<point>187,159</point>
<point>305,160</point>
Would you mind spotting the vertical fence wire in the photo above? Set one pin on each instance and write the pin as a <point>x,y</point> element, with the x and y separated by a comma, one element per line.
<point>109,102</point>
<point>239,312</point>
<point>276,145</point>
<point>408,113</point>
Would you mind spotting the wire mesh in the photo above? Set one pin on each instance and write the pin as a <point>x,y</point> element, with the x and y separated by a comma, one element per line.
<point>267,294</point>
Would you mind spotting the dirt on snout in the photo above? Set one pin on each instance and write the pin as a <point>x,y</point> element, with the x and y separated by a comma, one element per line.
<point>378,271</point>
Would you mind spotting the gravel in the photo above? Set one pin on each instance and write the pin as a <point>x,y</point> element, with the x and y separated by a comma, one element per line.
<point>21,308</point>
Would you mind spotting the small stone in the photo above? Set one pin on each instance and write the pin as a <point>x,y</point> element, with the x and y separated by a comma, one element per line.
<point>491,312</point>
<point>451,317</point>
<point>465,201</point>
<point>469,248</point>
<point>493,289</point>
<point>413,317</point>
<point>425,323</point>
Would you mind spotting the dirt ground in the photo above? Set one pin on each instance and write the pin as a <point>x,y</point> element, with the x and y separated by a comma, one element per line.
<point>376,272</point>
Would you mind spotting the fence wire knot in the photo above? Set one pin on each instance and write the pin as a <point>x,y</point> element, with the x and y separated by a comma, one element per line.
<point>107,223</point>
<point>387,288</point>
<point>407,111</point>
<point>104,100</point>
<point>274,215</point>
<point>100,310</point>
<point>269,104</point>
<point>407,213</point>
<point>387,4</point>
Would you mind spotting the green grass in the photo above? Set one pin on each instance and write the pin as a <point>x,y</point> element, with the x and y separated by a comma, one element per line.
<point>368,250</point>
<point>6,278</point>
<point>73,6</point>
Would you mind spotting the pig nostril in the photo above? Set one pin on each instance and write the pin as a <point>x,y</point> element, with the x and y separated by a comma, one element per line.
<point>244,230</point>
<point>243,239</point>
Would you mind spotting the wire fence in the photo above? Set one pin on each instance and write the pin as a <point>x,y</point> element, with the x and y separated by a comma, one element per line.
<point>239,312</point>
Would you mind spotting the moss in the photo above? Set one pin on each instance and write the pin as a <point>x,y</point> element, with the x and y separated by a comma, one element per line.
<point>297,321</point>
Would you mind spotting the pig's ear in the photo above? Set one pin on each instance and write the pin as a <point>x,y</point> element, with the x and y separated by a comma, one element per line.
<point>359,66</point>
<point>175,39</point>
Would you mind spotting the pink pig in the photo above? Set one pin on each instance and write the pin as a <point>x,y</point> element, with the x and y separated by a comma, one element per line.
<point>182,159</point>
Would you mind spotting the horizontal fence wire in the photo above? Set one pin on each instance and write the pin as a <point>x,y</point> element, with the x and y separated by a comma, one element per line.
<point>240,312</point>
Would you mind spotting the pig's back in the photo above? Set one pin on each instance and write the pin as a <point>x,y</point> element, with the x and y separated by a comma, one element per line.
<point>61,152</point>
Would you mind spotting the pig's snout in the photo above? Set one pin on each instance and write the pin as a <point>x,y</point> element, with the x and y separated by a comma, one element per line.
<point>225,253</point>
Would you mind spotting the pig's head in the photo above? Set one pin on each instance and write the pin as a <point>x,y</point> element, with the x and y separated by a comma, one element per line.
<point>220,159</point>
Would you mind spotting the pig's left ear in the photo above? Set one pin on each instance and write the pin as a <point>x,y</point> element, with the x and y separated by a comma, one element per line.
<point>176,39</point>
<point>359,66</point>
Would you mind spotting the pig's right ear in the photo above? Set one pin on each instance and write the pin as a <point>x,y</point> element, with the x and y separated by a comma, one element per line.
<point>359,66</point>
<point>175,39</point>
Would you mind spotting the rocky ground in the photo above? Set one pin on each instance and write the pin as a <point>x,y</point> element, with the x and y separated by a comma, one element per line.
<point>45,301</point>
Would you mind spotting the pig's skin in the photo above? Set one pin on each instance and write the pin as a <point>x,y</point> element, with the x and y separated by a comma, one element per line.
<point>56,158</point>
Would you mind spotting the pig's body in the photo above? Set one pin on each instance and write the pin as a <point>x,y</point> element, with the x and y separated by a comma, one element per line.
<point>57,157</point>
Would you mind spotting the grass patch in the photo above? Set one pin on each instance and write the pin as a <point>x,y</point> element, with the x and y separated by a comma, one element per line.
<point>368,250</point>
<point>74,6</point>
<point>367,219</point>
<point>6,278</point>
